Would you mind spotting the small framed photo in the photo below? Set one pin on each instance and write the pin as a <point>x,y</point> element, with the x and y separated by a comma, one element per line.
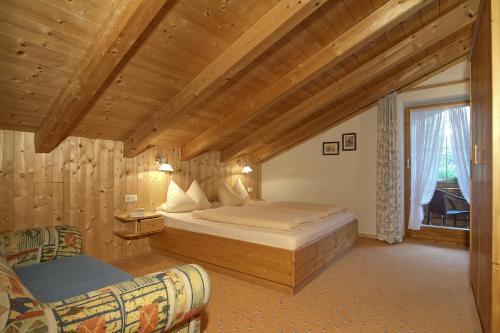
<point>348,141</point>
<point>331,148</point>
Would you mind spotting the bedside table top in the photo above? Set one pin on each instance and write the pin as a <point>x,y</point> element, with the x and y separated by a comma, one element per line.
<point>127,218</point>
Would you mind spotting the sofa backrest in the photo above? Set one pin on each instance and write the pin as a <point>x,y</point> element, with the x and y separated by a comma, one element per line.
<point>31,246</point>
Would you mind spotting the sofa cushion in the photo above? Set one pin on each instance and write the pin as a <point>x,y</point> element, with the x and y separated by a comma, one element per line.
<point>56,280</point>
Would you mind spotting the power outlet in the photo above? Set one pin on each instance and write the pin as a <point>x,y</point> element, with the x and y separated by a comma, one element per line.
<point>250,189</point>
<point>131,198</point>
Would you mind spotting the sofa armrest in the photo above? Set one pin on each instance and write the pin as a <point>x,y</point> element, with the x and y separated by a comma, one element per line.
<point>154,302</point>
<point>32,246</point>
<point>20,311</point>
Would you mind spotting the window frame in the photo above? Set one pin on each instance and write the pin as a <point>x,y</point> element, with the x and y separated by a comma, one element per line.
<point>434,233</point>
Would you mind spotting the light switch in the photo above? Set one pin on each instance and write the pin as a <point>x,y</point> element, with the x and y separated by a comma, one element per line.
<point>250,189</point>
<point>131,198</point>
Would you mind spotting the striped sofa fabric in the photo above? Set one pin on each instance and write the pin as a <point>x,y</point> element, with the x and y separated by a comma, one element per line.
<point>166,301</point>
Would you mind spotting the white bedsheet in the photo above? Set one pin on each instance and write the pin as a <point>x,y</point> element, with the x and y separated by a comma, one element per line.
<point>289,240</point>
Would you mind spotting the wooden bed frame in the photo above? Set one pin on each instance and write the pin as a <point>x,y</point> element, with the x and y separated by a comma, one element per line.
<point>284,270</point>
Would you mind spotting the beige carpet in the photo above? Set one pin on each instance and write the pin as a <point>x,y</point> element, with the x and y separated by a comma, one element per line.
<point>409,287</point>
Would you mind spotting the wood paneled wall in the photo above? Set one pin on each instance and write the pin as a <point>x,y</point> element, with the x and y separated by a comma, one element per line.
<point>209,171</point>
<point>485,169</point>
<point>83,182</point>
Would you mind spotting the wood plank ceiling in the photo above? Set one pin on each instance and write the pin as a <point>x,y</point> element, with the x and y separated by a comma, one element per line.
<point>315,64</point>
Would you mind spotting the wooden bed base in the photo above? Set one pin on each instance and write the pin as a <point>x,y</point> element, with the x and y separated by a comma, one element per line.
<point>284,270</point>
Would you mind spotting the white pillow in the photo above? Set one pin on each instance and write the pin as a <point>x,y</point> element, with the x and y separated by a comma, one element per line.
<point>228,197</point>
<point>241,191</point>
<point>177,200</point>
<point>196,193</point>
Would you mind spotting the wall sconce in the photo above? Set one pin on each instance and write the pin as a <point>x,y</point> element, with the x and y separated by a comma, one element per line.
<point>163,164</point>
<point>246,169</point>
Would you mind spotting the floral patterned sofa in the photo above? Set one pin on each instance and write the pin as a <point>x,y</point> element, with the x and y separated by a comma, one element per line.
<point>166,301</point>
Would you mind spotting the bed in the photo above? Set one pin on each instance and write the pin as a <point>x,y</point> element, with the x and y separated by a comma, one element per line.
<point>281,260</point>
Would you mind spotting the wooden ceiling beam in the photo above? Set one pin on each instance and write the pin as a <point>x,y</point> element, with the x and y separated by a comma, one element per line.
<point>361,102</point>
<point>375,24</point>
<point>122,28</point>
<point>442,27</point>
<point>270,28</point>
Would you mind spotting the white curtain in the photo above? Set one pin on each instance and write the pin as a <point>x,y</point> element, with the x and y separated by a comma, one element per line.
<point>427,137</point>
<point>460,142</point>
<point>389,224</point>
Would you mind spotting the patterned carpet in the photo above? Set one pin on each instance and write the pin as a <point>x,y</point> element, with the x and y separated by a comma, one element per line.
<point>409,287</point>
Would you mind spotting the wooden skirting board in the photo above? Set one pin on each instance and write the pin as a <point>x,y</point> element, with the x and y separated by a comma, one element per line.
<point>283,270</point>
<point>452,236</point>
<point>367,236</point>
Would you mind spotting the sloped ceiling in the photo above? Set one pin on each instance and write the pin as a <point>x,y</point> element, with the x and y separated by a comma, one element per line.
<point>459,72</point>
<point>255,108</point>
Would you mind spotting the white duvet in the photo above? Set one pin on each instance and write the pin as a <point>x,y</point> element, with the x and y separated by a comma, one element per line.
<point>323,209</point>
<point>286,216</point>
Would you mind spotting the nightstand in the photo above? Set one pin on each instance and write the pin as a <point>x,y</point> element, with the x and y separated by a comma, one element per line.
<point>134,227</point>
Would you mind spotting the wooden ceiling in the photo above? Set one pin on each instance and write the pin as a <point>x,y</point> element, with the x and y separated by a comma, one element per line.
<point>246,77</point>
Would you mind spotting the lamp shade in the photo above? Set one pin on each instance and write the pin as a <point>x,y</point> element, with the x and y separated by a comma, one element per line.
<point>166,167</point>
<point>163,164</point>
<point>246,169</point>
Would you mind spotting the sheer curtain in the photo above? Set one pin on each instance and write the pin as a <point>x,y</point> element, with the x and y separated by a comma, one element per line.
<point>389,224</point>
<point>427,137</point>
<point>460,139</point>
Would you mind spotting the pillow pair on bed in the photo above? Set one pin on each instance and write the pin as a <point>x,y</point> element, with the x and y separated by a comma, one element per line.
<point>194,198</point>
<point>235,196</point>
<point>179,201</point>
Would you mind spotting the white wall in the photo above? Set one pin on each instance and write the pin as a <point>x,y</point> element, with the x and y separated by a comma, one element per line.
<point>304,174</point>
<point>456,73</point>
<point>349,179</point>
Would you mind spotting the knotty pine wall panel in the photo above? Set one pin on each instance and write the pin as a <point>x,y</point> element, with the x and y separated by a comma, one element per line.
<point>83,183</point>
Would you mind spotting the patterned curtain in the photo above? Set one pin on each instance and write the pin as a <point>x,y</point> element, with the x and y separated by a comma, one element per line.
<point>389,208</point>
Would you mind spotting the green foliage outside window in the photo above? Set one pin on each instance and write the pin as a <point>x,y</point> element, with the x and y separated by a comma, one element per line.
<point>447,166</point>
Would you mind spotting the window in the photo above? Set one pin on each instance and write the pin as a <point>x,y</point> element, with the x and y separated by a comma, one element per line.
<point>447,167</point>
<point>438,150</point>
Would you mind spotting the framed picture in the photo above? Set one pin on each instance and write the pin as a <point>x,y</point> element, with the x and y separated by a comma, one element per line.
<point>349,141</point>
<point>331,148</point>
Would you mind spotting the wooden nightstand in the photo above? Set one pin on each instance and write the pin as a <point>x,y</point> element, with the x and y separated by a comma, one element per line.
<point>133,227</point>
